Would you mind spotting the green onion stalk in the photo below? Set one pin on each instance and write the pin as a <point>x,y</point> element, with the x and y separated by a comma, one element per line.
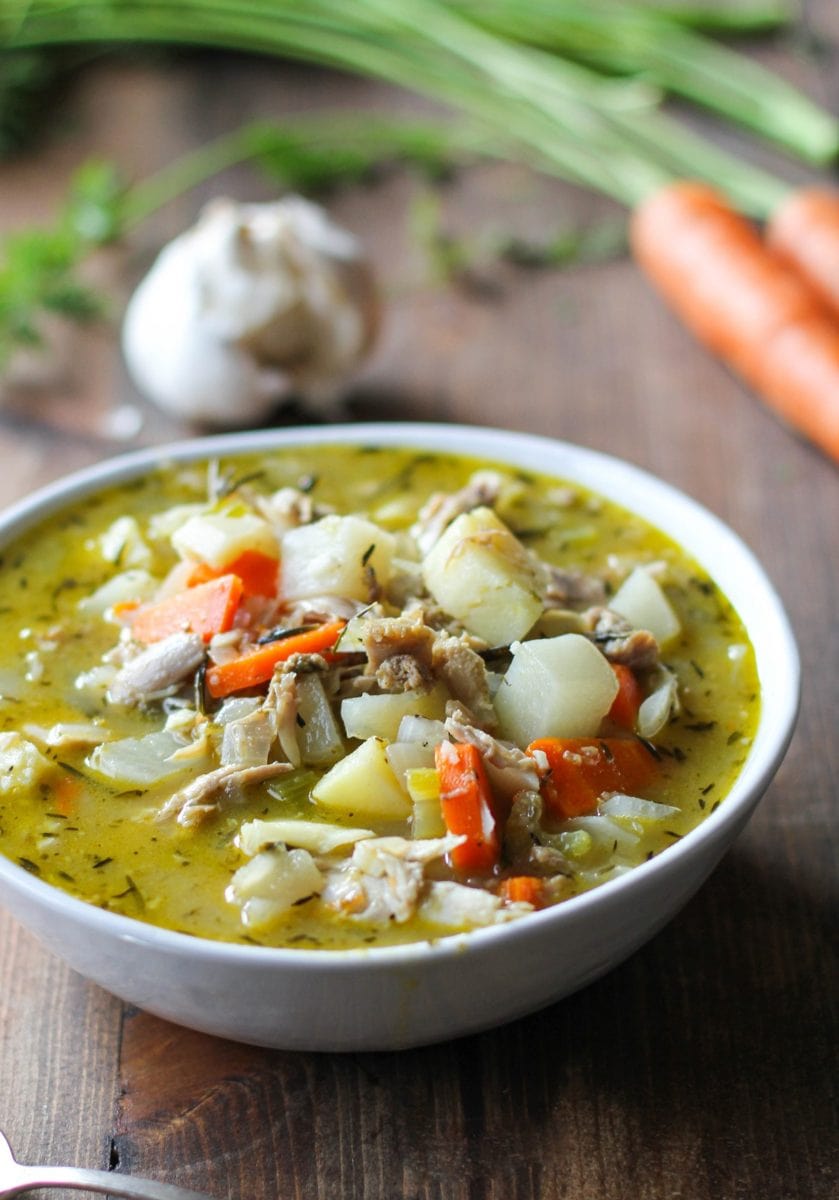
<point>607,134</point>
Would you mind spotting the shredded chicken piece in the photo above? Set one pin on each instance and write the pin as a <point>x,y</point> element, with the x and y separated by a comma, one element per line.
<point>204,796</point>
<point>509,769</point>
<point>387,637</point>
<point>403,673</point>
<point>287,508</point>
<point>522,846</point>
<point>442,507</point>
<point>384,878</point>
<point>564,589</point>
<point>619,641</point>
<point>281,702</point>
<point>457,906</point>
<point>465,675</point>
<point>152,672</point>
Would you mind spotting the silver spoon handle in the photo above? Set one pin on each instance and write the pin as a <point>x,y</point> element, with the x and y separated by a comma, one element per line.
<point>107,1182</point>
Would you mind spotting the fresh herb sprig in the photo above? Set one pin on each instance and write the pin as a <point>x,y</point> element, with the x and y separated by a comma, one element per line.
<point>42,269</point>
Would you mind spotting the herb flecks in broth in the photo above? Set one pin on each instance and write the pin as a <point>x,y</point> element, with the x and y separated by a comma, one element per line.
<point>346,696</point>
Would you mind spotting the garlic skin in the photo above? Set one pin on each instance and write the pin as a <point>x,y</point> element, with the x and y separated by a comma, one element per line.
<point>254,303</point>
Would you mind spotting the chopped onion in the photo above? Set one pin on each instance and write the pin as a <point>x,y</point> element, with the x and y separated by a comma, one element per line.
<point>659,706</point>
<point>143,760</point>
<point>633,808</point>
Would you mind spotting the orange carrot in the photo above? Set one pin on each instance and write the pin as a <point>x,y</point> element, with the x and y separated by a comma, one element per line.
<point>466,801</point>
<point>624,710</point>
<point>582,769</point>
<point>804,231</point>
<point>257,571</point>
<point>742,302</point>
<point>207,609</point>
<point>65,795</point>
<point>527,889</point>
<point>257,667</point>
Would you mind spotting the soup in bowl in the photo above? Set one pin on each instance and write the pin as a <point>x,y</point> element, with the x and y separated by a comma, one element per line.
<point>370,736</point>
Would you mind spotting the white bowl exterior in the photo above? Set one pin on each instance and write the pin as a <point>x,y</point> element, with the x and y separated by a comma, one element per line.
<point>409,995</point>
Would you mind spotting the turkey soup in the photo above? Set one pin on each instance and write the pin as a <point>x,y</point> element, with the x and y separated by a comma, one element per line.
<point>343,696</point>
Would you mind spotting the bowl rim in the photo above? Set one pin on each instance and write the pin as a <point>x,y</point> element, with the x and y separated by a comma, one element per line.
<point>589,467</point>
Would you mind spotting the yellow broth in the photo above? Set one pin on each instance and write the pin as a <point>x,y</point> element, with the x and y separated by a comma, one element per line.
<point>107,849</point>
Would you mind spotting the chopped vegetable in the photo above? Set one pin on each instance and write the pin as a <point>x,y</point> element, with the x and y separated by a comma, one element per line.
<point>625,706</point>
<point>207,609</point>
<point>258,572</point>
<point>641,599</point>
<point>423,785</point>
<point>363,784</point>
<point>581,770</point>
<point>257,666</point>
<point>739,299</point>
<point>481,573</point>
<point>555,687</point>
<point>523,889</point>
<point>217,538</point>
<point>466,802</point>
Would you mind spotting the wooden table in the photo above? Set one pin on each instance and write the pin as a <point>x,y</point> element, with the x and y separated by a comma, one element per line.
<point>705,1066</point>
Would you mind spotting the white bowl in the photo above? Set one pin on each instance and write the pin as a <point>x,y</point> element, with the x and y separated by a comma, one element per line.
<point>415,994</point>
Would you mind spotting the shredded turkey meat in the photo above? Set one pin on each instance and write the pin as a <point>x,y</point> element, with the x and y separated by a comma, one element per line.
<point>618,640</point>
<point>383,879</point>
<point>206,795</point>
<point>465,675</point>
<point>442,508</point>
<point>509,769</point>
<point>163,665</point>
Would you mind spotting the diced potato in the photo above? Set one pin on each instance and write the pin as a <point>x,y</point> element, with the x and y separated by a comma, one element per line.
<point>217,538</point>
<point>555,687</point>
<point>424,789</point>
<point>318,733</point>
<point>481,573</point>
<point>318,837</point>
<point>271,883</point>
<point>22,765</point>
<point>379,716</point>
<point>331,557</point>
<point>363,784</point>
<point>641,599</point>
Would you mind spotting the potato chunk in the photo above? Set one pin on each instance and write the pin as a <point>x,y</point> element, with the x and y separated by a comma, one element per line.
<point>641,599</point>
<point>218,538</point>
<point>335,557</point>
<point>363,784</point>
<point>481,573</point>
<point>555,687</point>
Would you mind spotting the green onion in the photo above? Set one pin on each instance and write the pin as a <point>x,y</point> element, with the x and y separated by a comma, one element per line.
<point>602,133</point>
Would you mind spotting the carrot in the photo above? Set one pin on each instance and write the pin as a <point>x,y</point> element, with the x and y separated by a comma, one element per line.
<point>466,801</point>
<point>582,769</point>
<point>744,304</point>
<point>804,231</point>
<point>258,572</point>
<point>65,795</point>
<point>624,710</point>
<point>207,609</point>
<point>527,889</point>
<point>257,667</point>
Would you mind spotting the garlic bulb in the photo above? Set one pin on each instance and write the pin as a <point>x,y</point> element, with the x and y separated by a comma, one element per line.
<point>255,303</point>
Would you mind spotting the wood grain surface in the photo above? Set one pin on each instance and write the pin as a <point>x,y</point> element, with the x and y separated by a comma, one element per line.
<point>704,1068</point>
